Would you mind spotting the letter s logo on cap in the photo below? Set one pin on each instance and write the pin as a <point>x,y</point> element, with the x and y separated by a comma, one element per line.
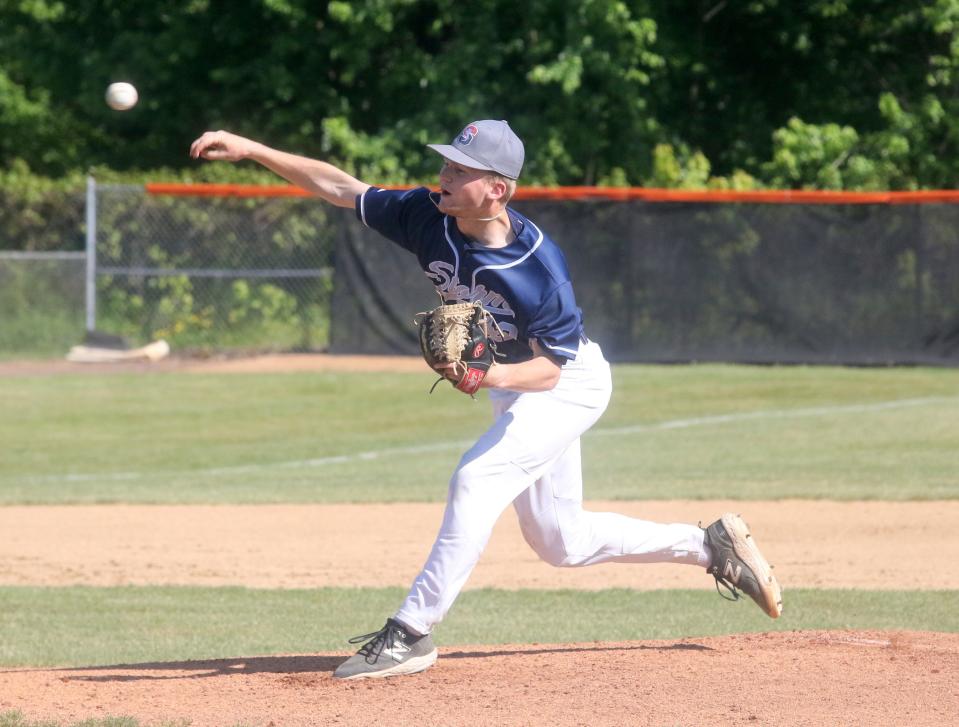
<point>467,134</point>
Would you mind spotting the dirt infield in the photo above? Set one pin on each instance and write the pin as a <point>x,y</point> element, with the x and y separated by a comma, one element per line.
<point>813,544</point>
<point>808,678</point>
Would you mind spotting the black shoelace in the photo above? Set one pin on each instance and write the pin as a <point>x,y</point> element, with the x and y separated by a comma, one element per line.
<point>713,570</point>
<point>376,641</point>
<point>734,594</point>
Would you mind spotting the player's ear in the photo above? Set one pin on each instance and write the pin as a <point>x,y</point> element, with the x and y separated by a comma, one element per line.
<point>498,188</point>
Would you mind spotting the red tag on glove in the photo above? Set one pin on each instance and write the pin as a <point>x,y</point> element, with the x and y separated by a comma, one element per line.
<point>471,381</point>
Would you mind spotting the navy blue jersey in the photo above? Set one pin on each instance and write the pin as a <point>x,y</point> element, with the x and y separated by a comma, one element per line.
<point>525,285</point>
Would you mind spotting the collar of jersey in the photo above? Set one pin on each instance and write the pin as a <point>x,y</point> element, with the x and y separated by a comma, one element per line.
<point>516,221</point>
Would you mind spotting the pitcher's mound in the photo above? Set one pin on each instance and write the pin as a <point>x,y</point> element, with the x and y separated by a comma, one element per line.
<point>798,678</point>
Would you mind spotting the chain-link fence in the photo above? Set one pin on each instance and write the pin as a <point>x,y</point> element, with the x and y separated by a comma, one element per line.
<point>213,273</point>
<point>41,271</point>
<point>41,302</point>
<point>814,281</point>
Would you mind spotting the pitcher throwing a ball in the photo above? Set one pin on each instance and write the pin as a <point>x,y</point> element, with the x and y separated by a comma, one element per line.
<point>548,384</point>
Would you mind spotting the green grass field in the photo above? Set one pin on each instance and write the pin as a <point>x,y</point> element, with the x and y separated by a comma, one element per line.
<point>133,625</point>
<point>708,431</point>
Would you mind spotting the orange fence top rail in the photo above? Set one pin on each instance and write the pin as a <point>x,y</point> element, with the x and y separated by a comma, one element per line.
<point>647,194</point>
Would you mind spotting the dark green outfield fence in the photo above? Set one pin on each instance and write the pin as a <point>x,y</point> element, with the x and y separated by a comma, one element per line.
<point>669,277</point>
<point>700,281</point>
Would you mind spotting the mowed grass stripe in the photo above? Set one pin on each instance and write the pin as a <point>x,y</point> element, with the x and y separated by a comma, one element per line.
<point>416,450</point>
<point>336,437</point>
<point>81,626</point>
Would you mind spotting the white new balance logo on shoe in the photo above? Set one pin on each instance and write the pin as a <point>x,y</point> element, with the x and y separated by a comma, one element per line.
<point>732,572</point>
<point>397,651</point>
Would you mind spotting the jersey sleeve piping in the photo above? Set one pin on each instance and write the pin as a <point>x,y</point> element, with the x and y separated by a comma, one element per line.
<point>573,354</point>
<point>563,351</point>
<point>361,206</point>
<point>456,255</point>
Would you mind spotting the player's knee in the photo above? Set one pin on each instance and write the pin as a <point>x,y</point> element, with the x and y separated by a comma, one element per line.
<point>534,541</point>
<point>467,481</point>
<point>547,545</point>
<point>559,557</point>
<point>558,548</point>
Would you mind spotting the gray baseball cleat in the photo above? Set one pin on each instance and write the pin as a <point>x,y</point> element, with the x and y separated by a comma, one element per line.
<point>738,565</point>
<point>391,651</point>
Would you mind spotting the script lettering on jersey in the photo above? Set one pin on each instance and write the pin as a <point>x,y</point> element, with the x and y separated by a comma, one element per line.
<point>441,274</point>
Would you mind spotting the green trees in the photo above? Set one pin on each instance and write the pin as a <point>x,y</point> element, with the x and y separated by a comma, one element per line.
<point>834,94</point>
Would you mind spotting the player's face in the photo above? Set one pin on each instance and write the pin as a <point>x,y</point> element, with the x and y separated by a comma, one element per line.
<point>463,190</point>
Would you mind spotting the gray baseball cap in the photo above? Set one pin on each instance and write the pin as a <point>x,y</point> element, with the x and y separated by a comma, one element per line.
<point>487,144</point>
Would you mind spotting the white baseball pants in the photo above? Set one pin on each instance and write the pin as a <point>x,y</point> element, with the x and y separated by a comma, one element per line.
<point>530,456</point>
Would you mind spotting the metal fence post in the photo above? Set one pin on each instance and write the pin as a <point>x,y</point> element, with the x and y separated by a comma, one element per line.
<point>91,273</point>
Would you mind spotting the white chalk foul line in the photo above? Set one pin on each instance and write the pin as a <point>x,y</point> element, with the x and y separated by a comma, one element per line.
<point>778,414</point>
<point>371,455</point>
<point>249,469</point>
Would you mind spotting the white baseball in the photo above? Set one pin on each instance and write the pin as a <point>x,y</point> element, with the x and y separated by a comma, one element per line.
<point>121,96</point>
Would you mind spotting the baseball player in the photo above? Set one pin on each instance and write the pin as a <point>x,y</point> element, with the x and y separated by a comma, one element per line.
<point>549,385</point>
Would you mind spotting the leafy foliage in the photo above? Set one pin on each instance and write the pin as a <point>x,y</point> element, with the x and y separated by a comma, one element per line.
<point>828,94</point>
<point>854,94</point>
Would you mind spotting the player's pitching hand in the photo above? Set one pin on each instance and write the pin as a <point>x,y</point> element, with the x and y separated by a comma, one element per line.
<point>222,146</point>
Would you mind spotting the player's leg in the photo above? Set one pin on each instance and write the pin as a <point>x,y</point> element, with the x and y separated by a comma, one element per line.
<point>557,527</point>
<point>562,533</point>
<point>483,485</point>
<point>554,523</point>
<point>530,433</point>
